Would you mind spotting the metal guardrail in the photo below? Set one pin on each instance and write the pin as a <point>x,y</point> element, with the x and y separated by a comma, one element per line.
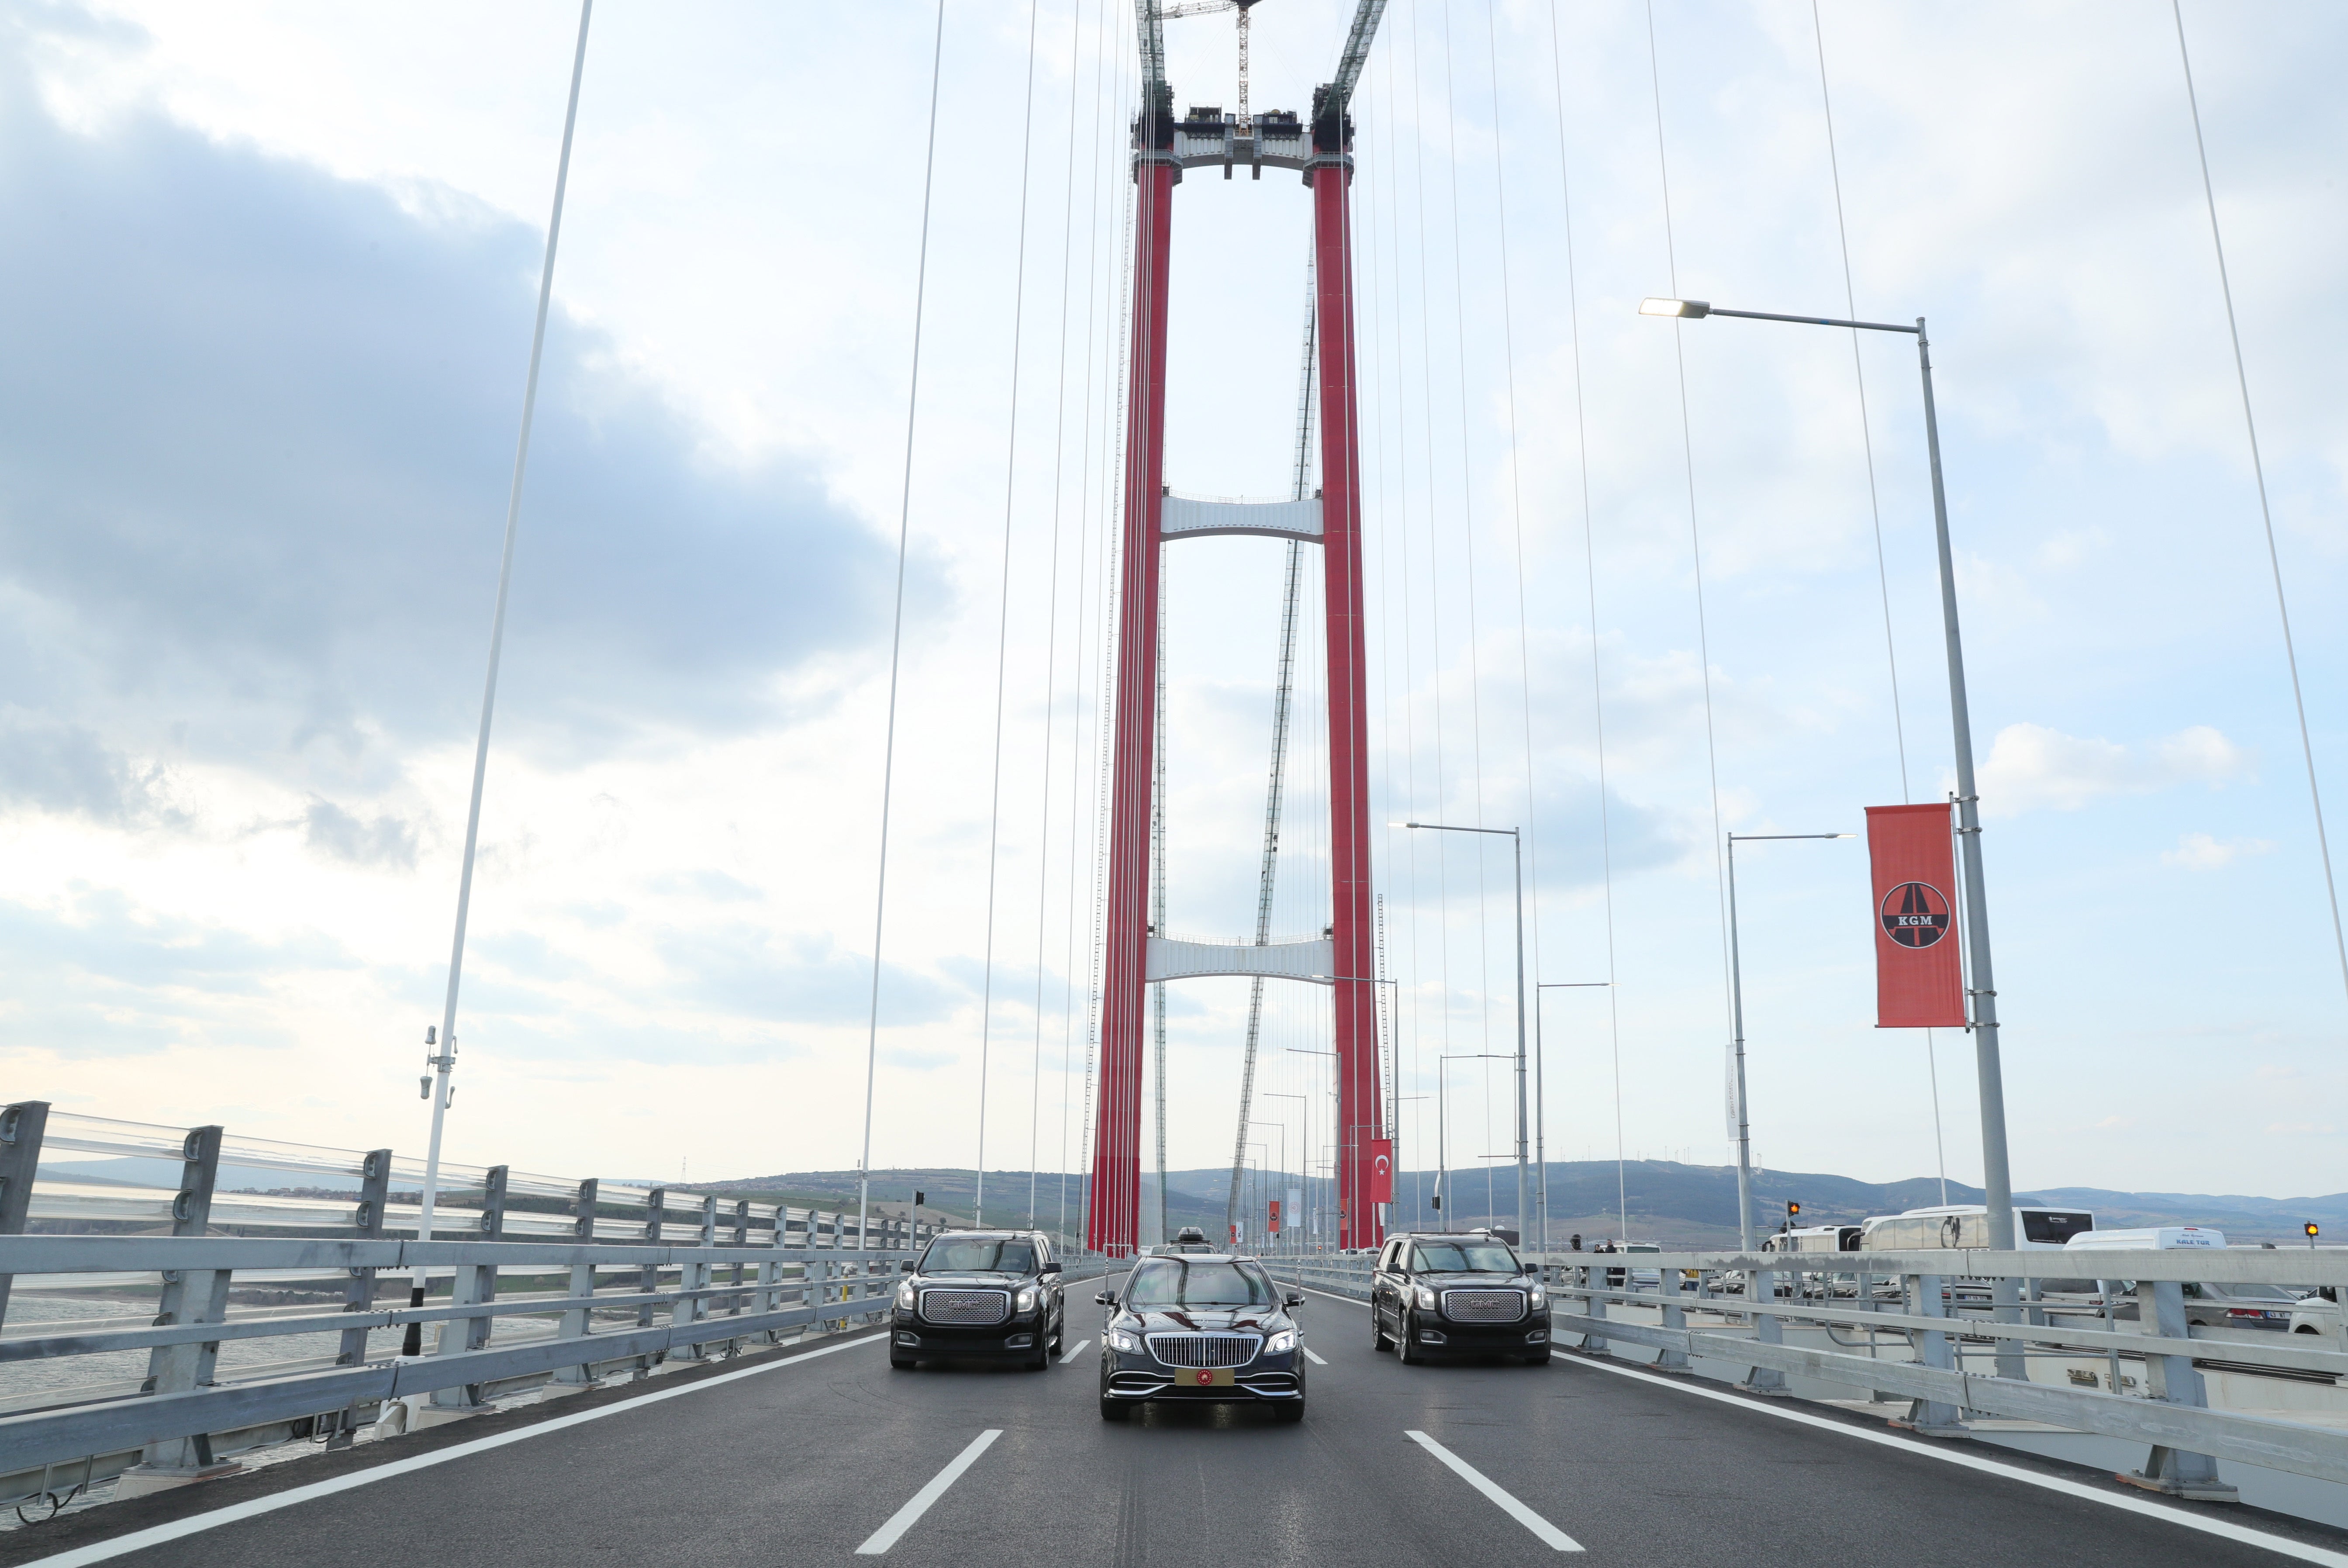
<point>546,1279</point>
<point>1733,1309</point>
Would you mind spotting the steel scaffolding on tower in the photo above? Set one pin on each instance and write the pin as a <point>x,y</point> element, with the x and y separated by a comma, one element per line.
<point>1135,955</point>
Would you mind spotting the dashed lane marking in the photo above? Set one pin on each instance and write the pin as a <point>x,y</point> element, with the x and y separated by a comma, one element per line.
<point>1312,1358</point>
<point>906,1518</point>
<point>139,1540</point>
<point>1549,1534</point>
<point>1072,1354</point>
<point>2280,1545</point>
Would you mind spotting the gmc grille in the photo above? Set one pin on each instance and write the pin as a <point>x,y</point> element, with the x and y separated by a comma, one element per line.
<point>1483,1306</point>
<point>965,1305</point>
<point>1204,1349</point>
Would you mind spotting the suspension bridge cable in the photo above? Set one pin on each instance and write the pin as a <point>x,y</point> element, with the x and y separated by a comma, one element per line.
<point>1524,640</point>
<point>1084,514</point>
<point>1874,510</point>
<point>1003,621</point>
<point>2266,510</point>
<point>1434,587</point>
<point>1468,560</point>
<point>1409,677</point>
<point>1590,562</point>
<point>445,1063</point>
<point>897,630</point>
<point>1696,537</point>
<point>1052,613</point>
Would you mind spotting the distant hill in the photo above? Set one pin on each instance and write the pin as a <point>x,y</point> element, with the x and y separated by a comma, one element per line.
<point>1666,1201</point>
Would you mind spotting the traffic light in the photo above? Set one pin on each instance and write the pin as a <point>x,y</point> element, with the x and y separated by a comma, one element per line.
<point>2313,1231</point>
<point>1793,1210</point>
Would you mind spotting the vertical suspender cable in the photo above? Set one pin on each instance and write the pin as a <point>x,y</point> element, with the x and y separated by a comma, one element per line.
<point>1696,537</point>
<point>1874,510</point>
<point>2266,511</point>
<point>1052,618</point>
<point>1526,1223</point>
<point>445,1063</point>
<point>1590,562</point>
<point>1003,625</point>
<point>897,632</point>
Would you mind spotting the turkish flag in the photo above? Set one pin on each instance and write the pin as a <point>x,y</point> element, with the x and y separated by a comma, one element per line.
<point>1381,1153</point>
<point>1274,1228</point>
<point>1919,979</point>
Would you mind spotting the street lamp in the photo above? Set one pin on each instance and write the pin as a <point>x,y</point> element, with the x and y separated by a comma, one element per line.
<point>1996,1176</point>
<point>1736,993</point>
<point>1524,1174</point>
<point>1301,1175</point>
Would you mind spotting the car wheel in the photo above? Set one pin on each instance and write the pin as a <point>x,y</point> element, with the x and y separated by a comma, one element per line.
<point>1042,1359</point>
<point>1407,1348</point>
<point>1115,1409</point>
<point>1288,1415</point>
<point>1377,1331</point>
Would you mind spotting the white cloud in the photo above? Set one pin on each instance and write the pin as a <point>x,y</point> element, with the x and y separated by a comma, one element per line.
<point>2201,853</point>
<point>2030,766</point>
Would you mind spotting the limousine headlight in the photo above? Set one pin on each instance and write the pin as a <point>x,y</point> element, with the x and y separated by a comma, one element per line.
<point>1281,1343</point>
<point>1118,1339</point>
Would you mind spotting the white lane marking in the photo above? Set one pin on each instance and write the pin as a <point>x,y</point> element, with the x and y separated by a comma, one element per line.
<point>139,1540</point>
<point>2275,1543</point>
<point>1310,1357</point>
<point>906,1518</point>
<point>1549,1534</point>
<point>1072,1354</point>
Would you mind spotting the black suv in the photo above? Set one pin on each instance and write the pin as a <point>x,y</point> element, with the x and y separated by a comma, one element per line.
<point>1457,1290</point>
<point>1206,1326</point>
<point>980,1294</point>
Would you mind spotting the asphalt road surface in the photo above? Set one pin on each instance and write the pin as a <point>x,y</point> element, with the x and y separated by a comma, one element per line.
<point>830,1456</point>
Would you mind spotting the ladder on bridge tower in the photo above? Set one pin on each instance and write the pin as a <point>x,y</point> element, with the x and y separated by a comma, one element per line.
<point>1134,955</point>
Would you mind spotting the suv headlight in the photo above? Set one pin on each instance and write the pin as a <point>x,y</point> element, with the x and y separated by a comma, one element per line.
<point>1118,1339</point>
<point>905,1295</point>
<point>1425,1299</point>
<point>1027,1297</point>
<point>1281,1343</point>
<point>1539,1298</point>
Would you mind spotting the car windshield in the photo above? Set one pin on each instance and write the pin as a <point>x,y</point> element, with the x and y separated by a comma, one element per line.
<point>1461,1257</point>
<point>979,1255</point>
<point>1178,1282</point>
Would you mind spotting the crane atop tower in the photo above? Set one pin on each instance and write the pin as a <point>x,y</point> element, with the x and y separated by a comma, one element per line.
<point>1208,8</point>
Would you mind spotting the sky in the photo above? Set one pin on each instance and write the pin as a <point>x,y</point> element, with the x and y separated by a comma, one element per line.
<point>1633,584</point>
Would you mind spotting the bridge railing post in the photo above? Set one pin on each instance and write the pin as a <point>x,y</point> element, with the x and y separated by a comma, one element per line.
<point>473,1284</point>
<point>577,1322</point>
<point>1766,1330</point>
<point>691,1309</point>
<point>648,1276</point>
<point>2161,1310</point>
<point>196,1295</point>
<point>1932,1417</point>
<point>1671,1315</point>
<point>22,1127</point>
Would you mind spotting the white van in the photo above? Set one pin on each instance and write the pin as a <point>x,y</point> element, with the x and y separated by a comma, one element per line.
<point>2207,1304</point>
<point>1967,1225</point>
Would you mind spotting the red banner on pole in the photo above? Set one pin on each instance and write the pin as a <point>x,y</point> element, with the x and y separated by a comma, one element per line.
<point>1272,1225</point>
<point>1381,1154</point>
<point>1919,979</point>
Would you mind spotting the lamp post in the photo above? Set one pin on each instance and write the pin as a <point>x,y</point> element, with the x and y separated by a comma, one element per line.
<point>1524,1172</point>
<point>1302,1176</point>
<point>1996,1176</point>
<point>1736,1009</point>
<point>1280,1127</point>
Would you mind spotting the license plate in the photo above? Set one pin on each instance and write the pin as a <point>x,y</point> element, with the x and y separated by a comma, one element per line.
<point>1206,1377</point>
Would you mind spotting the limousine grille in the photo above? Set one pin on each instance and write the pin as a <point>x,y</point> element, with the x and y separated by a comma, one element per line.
<point>1204,1349</point>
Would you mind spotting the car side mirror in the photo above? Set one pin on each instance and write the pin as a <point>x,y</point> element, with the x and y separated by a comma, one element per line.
<point>906,1266</point>
<point>1052,1267</point>
<point>1294,1298</point>
<point>1105,1298</point>
<point>1532,1269</point>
